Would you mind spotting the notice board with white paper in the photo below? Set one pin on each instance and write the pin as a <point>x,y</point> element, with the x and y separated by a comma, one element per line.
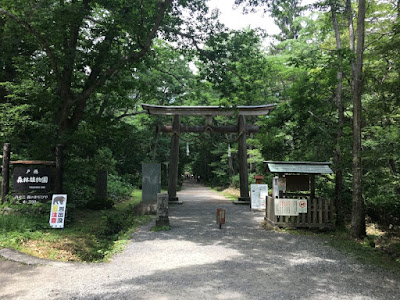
<point>259,192</point>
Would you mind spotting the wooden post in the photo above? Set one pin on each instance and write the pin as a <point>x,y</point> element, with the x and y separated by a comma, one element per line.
<point>58,187</point>
<point>174,160</point>
<point>243,169</point>
<point>312,186</point>
<point>5,184</point>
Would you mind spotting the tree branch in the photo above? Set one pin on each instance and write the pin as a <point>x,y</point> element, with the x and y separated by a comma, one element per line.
<point>124,115</point>
<point>95,80</point>
<point>42,40</point>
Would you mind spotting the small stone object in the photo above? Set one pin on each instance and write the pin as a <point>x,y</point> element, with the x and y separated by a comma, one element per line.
<point>162,210</point>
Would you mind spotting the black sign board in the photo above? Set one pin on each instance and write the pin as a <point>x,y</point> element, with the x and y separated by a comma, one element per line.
<point>32,179</point>
<point>297,183</point>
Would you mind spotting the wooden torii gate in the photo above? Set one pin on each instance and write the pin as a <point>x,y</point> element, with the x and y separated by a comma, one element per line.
<point>208,112</point>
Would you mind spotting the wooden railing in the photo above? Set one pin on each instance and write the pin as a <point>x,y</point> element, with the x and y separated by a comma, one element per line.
<point>320,214</point>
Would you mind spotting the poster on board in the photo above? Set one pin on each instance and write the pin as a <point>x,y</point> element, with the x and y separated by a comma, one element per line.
<point>286,207</point>
<point>58,210</point>
<point>258,195</point>
<point>302,206</point>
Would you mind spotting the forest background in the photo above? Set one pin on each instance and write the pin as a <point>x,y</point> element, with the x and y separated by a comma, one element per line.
<point>75,73</point>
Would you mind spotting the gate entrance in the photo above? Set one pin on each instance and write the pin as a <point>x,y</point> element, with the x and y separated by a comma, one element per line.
<point>208,112</point>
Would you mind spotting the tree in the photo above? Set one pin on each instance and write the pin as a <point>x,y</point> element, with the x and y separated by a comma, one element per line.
<point>84,45</point>
<point>284,12</point>
<point>358,229</point>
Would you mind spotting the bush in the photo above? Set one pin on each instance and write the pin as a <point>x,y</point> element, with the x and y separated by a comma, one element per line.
<point>119,189</point>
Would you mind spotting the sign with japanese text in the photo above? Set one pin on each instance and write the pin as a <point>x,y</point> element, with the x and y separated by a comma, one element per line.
<point>58,210</point>
<point>282,184</point>
<point>31,198</point>
<point>286,207</point>
<point>258,193</point>
<point>29,179</point>
<point>290,207</point>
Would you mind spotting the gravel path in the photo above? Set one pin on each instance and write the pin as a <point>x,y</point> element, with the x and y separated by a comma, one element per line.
<point>197,260</point>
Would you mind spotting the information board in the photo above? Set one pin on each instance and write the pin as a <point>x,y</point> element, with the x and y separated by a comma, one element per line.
<point>290,207</point>
<point>29,179</point>
<point>286,207</point>
<point>58,210</point>
<point>258,194</point>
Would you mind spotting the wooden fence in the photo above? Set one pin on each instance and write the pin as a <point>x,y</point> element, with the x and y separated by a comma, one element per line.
<point>320,214</point>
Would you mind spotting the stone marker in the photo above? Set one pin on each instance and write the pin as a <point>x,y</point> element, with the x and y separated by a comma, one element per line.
<point>162,210</point>
<point>151,182</point>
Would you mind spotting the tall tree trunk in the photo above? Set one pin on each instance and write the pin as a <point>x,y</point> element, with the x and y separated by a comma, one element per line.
<point>357,229</point>
<point>339,132</point>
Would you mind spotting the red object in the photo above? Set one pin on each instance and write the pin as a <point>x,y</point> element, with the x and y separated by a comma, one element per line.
<point>220,216</point>
<point>53,220</point>
<point>258,179</point>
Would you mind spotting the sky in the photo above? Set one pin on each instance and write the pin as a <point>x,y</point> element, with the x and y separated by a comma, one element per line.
<point>235,19</point>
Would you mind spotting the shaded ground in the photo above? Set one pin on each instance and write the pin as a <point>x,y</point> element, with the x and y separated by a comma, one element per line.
<point>197,260</point>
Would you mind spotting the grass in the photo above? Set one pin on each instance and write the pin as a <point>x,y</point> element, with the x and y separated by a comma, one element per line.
<point>89,235</point>
<point>160,228</point>
<point>230,193</point>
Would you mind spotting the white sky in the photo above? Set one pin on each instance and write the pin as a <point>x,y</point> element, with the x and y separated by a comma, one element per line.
<point>235,19</point>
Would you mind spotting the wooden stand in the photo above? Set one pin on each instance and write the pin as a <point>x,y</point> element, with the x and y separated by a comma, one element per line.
<point>5,173</point>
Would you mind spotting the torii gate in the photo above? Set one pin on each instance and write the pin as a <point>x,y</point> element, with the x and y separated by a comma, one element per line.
<point>209,112</point>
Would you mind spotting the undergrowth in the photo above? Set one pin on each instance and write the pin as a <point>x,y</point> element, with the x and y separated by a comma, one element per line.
<point>89,235</point>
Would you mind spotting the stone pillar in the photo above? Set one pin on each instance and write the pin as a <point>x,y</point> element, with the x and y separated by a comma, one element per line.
<point>162,210</point>
<point>174,160</point>
<point>243,168</point>
<point>5,173</point>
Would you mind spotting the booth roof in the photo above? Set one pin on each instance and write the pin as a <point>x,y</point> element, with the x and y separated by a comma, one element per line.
<point>299,167</point>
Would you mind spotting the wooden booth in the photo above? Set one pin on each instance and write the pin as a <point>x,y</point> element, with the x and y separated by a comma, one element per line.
<point>294,202</point>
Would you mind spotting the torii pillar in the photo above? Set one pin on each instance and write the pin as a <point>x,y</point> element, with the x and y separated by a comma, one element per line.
<point>243,168</point>
<point>174,160</point>
<point>208,112</point>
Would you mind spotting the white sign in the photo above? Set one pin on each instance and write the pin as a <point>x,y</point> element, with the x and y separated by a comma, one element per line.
<point>282,184</point>
<point>57,211</point>
<point>275,187</point>
<point>302,206</point>
<point>290,207</point>
<point>258,194</point>
<point>286,207</point>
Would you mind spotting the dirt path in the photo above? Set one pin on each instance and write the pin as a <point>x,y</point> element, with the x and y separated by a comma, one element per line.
<point>197,260</point>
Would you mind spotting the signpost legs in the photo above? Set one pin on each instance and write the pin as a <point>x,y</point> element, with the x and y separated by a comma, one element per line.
<point>174,160</point>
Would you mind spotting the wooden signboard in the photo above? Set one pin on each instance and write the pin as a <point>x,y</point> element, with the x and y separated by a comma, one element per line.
<point>30,179</point>
<point>297,183</point>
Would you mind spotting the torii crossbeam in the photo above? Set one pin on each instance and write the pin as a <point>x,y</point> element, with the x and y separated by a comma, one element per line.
<point>208,112</point>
